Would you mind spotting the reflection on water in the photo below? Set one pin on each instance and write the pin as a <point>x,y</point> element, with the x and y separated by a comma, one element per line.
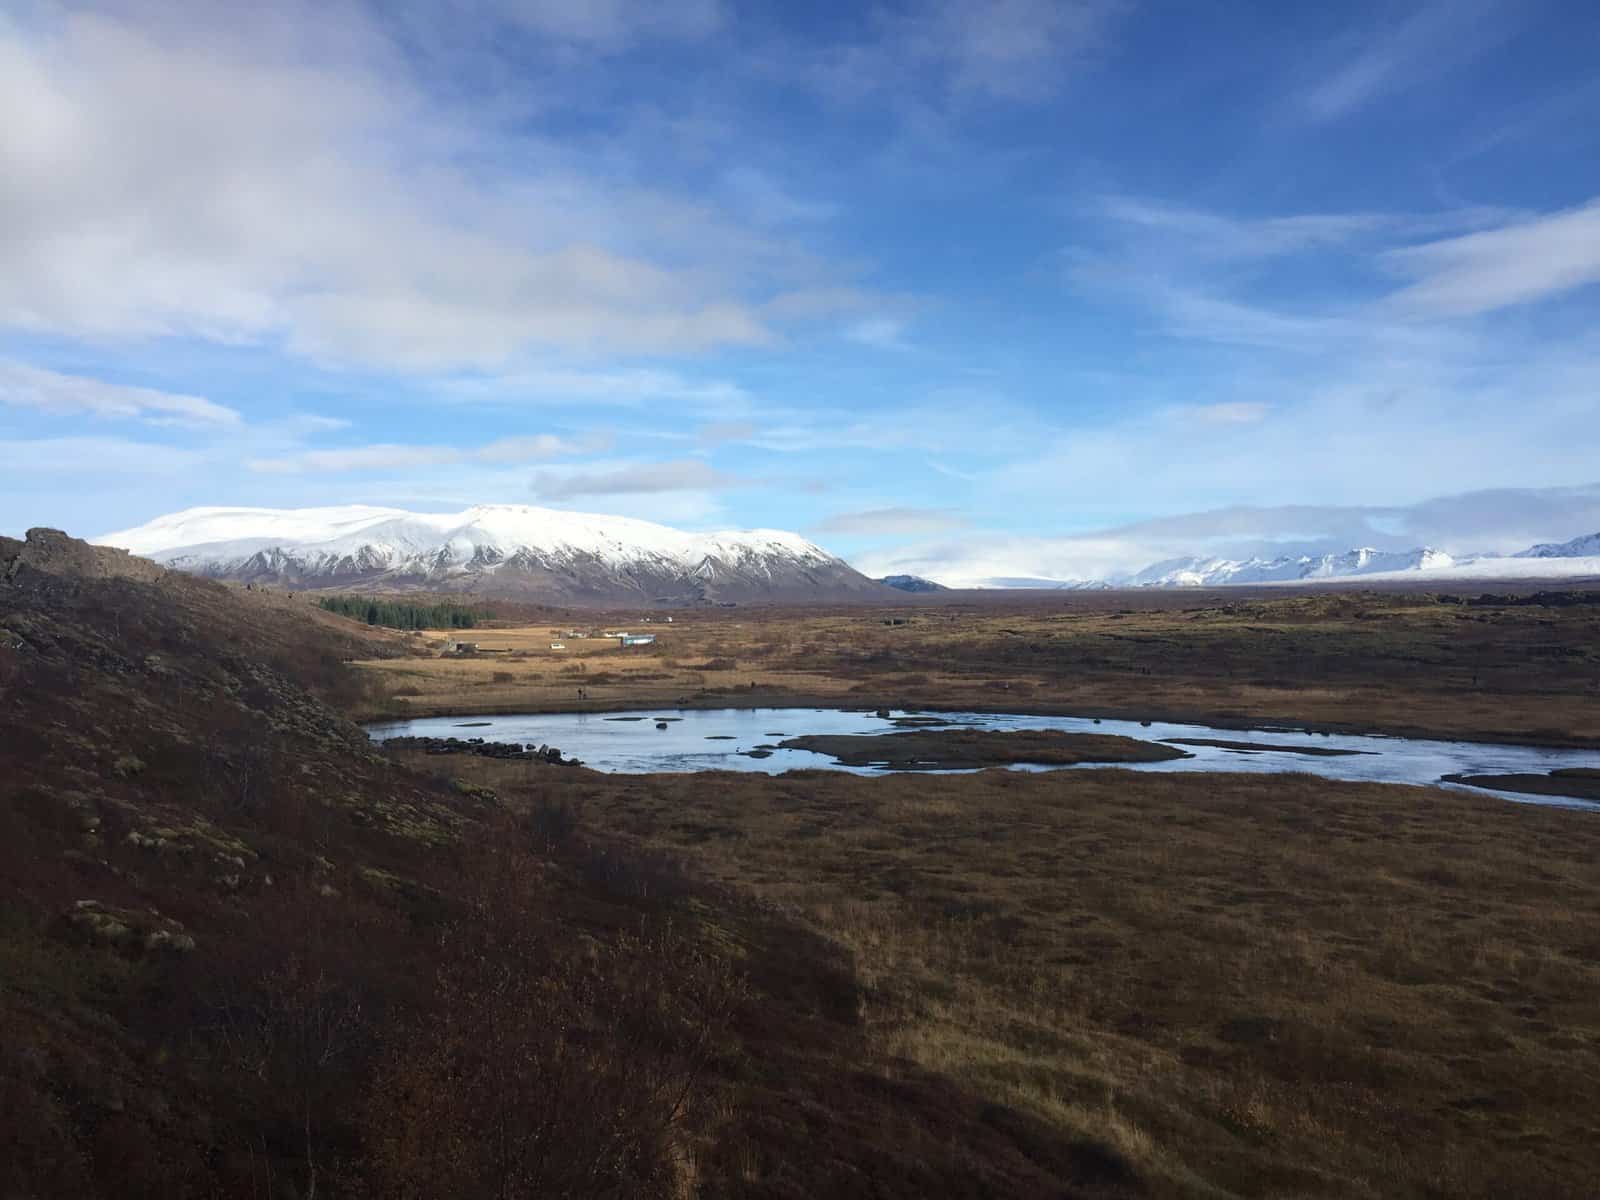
<point>719,739</point>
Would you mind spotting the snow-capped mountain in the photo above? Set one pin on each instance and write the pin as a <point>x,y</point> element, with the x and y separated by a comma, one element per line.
<point>1219,572</point>
<point>495,549</point>
<point>1554,561</point>
<point>911,583</point>
<point>1587,546</point>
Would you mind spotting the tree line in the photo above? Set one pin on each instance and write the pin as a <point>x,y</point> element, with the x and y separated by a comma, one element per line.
<point>400,614</point>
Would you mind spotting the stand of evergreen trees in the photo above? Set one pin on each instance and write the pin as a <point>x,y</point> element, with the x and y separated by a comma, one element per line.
<point>399,614</point>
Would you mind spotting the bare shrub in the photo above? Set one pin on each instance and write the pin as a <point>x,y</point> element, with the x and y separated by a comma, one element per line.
<point>544,1073</point>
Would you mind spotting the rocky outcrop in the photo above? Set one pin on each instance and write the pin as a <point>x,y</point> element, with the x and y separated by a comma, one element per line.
<point>481,748</point>
<point>55,553</point>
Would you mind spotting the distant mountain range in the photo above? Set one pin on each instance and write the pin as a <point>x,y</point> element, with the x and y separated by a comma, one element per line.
<point>1578,558</point>
<point>1587,546</point>
<point>505,550</point>
<point>1213,572</point>
<point>518,551</point>
<point>912,583</point>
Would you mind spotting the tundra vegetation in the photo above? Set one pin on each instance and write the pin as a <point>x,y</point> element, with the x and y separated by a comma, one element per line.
<point>245,952</point>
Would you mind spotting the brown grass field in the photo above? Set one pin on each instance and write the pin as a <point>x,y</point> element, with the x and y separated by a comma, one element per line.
<point>1244,985</point>
<point>1399,662</point>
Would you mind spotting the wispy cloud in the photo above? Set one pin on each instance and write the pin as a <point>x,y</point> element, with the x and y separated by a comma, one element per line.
<point>608,25</point>
<point>1515,264</point>
<point>881,333</point>
<point>717,433</point>
<point>96,459</point>
<point>682,475</point>
<point>1436,37</point>
<point>622,388</point>
<point>1215,235</point>
<point>1010,51</point>
<point>384,457</point>
<point>901,521</point>
<point>25,386</point>
<point>1227,412</point>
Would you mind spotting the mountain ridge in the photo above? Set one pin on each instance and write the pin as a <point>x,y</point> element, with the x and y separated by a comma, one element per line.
<point>1577,558</point>
<point>911,583</point>
<point>1585,546</point>
<point>493,550</point>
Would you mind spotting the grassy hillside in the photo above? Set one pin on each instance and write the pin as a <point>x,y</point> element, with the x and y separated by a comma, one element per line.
<point>242,954</point>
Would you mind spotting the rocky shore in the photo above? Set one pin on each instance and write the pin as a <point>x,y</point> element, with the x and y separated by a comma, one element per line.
<point>483,749</point>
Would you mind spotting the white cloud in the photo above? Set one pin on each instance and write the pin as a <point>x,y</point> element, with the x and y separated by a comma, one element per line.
<point>1007,49</point>
<point>1214,235</point>
<point>716,433</point>
<point>389,456</point>
<point>1495,268</point>
<point>612,24</point>
<point>357,458</point>
<point>541,445</point>
<point>311,423</point>
<point>899,521</point>
<point>881,333</point>
<point>1437,36</point>
<point>1228,412</point>
<point>627,388</point>
<point>682,475</point>
<point>25,386</point>
<point>767,202</point>
<point>1013,51</point>
<point>255,182</point>
<point>85,459</point>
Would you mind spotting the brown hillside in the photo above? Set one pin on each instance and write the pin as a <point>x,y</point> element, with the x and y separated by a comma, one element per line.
<point>243,954</point>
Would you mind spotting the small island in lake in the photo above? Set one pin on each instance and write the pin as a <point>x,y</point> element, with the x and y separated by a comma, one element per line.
<point>969,749</point>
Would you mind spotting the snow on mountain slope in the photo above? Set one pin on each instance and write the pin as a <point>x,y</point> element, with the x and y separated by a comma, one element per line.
<point>1367,565</point>
<point>911,583</point>
<point>1577,559</point>
<point>1219,572</point>
<point>1587,546</point>
<point>500,549</point>
<point>1508,569</point>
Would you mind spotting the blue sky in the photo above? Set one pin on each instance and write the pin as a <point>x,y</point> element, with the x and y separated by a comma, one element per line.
<point>1016,288</point>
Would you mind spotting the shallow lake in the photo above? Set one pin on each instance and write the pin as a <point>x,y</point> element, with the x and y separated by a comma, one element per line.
<point>718,739</point>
